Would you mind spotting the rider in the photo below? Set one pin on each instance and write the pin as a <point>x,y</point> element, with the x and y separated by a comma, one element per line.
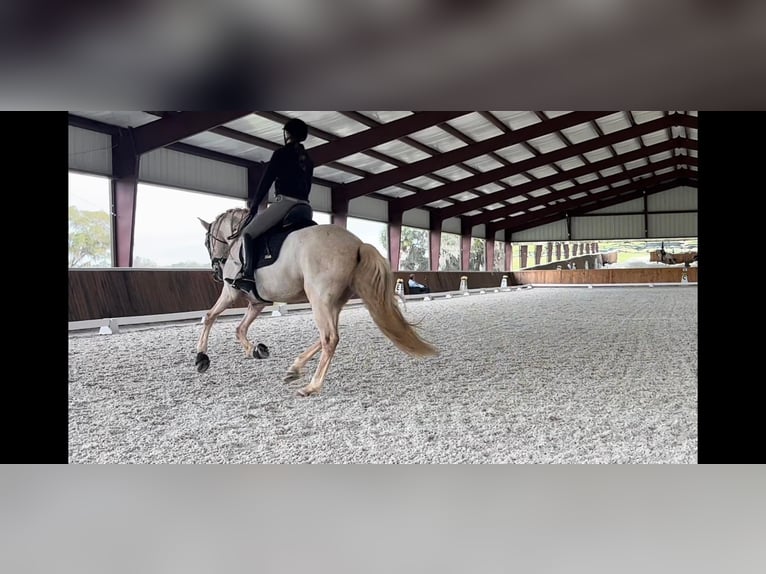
<point>291,167</point>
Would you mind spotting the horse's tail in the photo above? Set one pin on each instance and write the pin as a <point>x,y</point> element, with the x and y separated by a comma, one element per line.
<point>374,283</point>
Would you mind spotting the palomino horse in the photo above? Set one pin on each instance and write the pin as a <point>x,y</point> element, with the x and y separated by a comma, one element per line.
<point>322,265</point>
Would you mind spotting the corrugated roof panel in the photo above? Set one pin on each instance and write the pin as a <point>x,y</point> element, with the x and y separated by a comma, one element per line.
<point>660,156</point>
<point>385,117</point>
<point>562,185</point>
<point>395,192</point>
<point>363,161</point>
<point>401,151</point>
<point>516,199</point>
<point>484,163</point>
<point>664,170</point>
<point>535,208</point>
<point>517,120</point>
<point>611,171</point>
<point>494,206</point>
<point>122,119</point>
<point>580,133</point>
<point>464,196</point>
<point>336,175</point>
<point>613,122</point>
<point>578,195</point>
<point>655,137</point>
<point>555,114</point>
<point>490,188</point>
<point>439,203</point>
<point>601,189</point>
<point>265,129</point>
<point>542,171</point>
<point>636,163</point>
<point>423,182</point>
<point>516,179</point>
<point>539,193</point>
<point>641,117</point>
<point>453,173</point>
<point>692,133</point>
<point>586,178</point>
<point>570,163</point>
<point>547,143</point>
<point>332,122</point>
<point>515,153</point>
<point>472,212</point>
<point>437,138</point>
<point>229,146</point>
<point>626,146</point>
<point>475,126</point>
<point>598,154</point>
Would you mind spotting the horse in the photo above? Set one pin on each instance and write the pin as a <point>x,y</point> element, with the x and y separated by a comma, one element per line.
<point>323,265</point>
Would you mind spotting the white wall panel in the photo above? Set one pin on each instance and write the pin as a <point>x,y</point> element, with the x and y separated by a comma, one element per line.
<point>320,198</point>
<point>673,225</point>
<point>90,151</point>
<point>451,225</point>
<point>677,199</point>
<point>174,169</point>
<point>608,227</point>
<point>416,218</point>
<point>556,231</point>
<point>625,207</point>
<point>368,208</point>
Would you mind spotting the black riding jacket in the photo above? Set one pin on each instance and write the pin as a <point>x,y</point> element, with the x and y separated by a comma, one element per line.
<point>291,167</point>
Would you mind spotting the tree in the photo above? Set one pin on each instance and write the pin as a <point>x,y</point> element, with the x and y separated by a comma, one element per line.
<point>90,243</point>
<point>449,254</point>
<point>476,261</point>
<point>499,262</point>
<point>413,248</point>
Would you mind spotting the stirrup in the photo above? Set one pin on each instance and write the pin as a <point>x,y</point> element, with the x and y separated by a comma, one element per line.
<point>244,284</point>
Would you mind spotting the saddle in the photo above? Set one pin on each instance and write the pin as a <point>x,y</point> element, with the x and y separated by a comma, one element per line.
<point>268,245</point>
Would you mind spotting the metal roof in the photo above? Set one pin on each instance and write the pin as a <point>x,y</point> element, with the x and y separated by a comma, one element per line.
<point>505,169</point>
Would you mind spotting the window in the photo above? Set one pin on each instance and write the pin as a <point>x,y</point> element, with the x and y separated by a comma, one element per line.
<point>90,221</point>
<point>167,231</point>
<point>449,252</point>
<point>373,232</point>
<point>413,249</point>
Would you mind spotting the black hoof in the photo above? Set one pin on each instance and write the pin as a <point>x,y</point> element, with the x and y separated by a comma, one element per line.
<point>202,362</point>
<point>261,351</point>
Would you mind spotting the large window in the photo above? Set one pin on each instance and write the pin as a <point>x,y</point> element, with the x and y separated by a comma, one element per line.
<point>373,232</point>
<point>478,258</point>
<point>449,252</point>
<point>167,231</point>
<point>322,218</point>
<point>499,263</point>
<point>413,250</point>
<point>90,222</point>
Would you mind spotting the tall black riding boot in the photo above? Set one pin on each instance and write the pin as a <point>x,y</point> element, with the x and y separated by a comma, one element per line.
<point>247,282</point>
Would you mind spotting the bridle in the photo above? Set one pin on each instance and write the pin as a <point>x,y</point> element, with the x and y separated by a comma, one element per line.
<point>217,263</point>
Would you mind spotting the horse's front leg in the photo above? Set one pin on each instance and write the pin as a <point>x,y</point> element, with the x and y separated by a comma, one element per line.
<point>297,369</point>
<point>227,297</point>
<point>260,351</point>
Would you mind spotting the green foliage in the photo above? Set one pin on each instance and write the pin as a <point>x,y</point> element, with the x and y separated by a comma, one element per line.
<point>89,238</point>
<point>477,259</point>
<point>449,252</point>
<point>413,248</point>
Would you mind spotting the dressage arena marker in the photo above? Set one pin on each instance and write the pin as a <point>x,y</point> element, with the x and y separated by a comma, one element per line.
<point>399,290</point>
<point>464,285</point>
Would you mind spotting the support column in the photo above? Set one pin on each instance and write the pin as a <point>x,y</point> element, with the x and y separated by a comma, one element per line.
<point>566,251</point>
<point>465,244</point>
<point>508,251</point>
<point>574,249</point>
<point>394,236</point>
<point>434,241</point>
<point>549,252</point>
<point>338,208</point>
<point>125,163</point>
<point>523,255</point>
<point>538,254</point>
<point>558,250</point>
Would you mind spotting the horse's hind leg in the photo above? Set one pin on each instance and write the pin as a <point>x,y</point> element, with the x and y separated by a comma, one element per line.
<point>250,315</point>
<point>326,317</point>
<point>296,370</point>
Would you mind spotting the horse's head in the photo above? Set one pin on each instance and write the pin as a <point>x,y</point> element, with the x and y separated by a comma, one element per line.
<point>216,238</point>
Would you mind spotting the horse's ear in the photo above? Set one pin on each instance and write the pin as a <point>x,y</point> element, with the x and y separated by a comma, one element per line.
<point>204,223</point>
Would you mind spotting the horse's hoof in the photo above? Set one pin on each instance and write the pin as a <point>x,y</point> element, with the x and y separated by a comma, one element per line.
<point>304,392</point>
<point>291,376</point>
<point>202,362</point>
<point>261,351</point>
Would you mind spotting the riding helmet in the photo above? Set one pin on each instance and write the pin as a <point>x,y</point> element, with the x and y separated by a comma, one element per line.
<point>297,129</point>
